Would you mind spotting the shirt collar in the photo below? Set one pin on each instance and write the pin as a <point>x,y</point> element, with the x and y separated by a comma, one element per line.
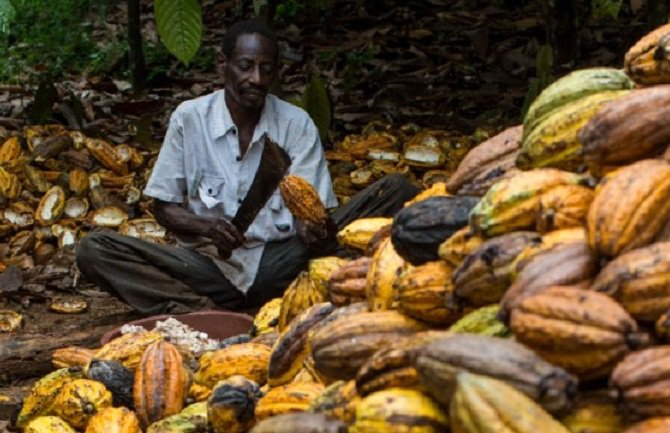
<point>224,122</point>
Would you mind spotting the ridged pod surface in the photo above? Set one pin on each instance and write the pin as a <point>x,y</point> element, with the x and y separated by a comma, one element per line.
<point>608,135</point>
<point>594,413</point>
<point>267,318</point>
<point>438,189</point>
<point>561,265</point>
<point>572,87</point>
<point>648,61</point>
<point>357,234</point>
<point>630,207</point>
<point>291,348</point>
<point>486,163</point>
<point>563,207</point>
<point>652,425</point>
<point>301,294</point>
<point>482,321</point>
<point>422,290</point>
<point>302,200</point>
<point>78,400</point>
<point>382,273</point>
<point>459,245</point>
<point>514,202</point>
<point>399,410</point>
<point>641,381</point>
<point>338,401</point>
<point>438,363</point>
<point>483,404</point>
<point>292,397</point>
<point>48,424</point>
<point>342,345</point>
<point>192,419</point>
<point>161,383</point>
<point>230,408</point>
<point>347,284</point>
<point>639,280</point>
<point>583,331</point>
<point>105,154</point>
<point>554,141</point>
<point>484,276</point>
<point>322,268</point>
<point>419,229</point>
<point>300,423</point>
<point>248,359</point>
<point>72,356</point>
<point>114,420</point>
<point>128,348</point>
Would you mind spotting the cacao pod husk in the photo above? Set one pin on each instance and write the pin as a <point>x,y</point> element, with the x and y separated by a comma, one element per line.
<point>652,425</point>
<point>292,397</point>
<point>648,60</point>
<point>117,379</point>
<point>300,423</point>
<point>482,321</point>
<point>347,284</point>
<point>78,400</point>
<point>459,245</point>
<point>337,401</point>
<point>230,408</point>
<point>267,318</point>
<point>192,419</point>
<point>248,359</point>
<point>594,413</point>
<point>72,356</point>
<point>563,207</point>
<point>301,294</point>
<point>48,424</point>
<point>383,272</point>
<point>302,200</point>
<point>128,348</point>
<point>114,420</point>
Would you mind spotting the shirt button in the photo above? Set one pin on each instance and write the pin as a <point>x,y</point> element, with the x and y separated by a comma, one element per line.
<point>238,158</point>
<point>239,201</point>
<point>209,190</point>
<point>234,130</point>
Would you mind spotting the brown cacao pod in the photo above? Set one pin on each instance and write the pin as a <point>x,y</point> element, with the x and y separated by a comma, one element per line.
<point>10,149</point>
<point>561,265</point>
<point>248,359</point>
<point>630,207</point>
<point>291,348</point>
<point>301,294</point>
<point>652,425</point>
<point>300,423</point>
<point>302,200</point>
<point>78,182</point>
<point>72,356</point>
<point>486,163</point>
<point>418,230</point>
<point>230,408</point>
<point>459,245</point>
<point>114,420</point>
<point>161,383</point>
<point>484,404</point>
<point>382,274</point>
<point>648,61</point>
<point>105,154</point>
<point>563,207</point>
<point>439,361</point>
<point>341,346</point>
<point>485,275</point>
<point>422,290</point>
<point>639,280</point>
<point>79,400</point>
<point>292,397</point>
<point>347,284</point>
<point>338,401</point>
<point>606,138</point>
<point>583,331</point>
<point>641,382</point>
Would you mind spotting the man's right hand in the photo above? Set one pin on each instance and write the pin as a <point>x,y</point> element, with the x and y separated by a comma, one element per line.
<point>225,236</point>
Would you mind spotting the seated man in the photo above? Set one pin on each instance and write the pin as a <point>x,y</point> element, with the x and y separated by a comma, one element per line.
<point>208,160</point>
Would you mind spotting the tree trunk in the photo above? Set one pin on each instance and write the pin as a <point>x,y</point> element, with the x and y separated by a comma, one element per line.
<point>135,52</point>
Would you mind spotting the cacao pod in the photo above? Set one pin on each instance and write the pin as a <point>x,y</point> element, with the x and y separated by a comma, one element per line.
<point>302,200</point>
<point>117,379</point>
<point>248,359</point>
<point>104,153</point>
<point>338,401</point>
<point>51,206</point>
<point>438,189</point>
<point>652,425</point>
<point>230,408</point>
<point>114,420</point>
<point>267,318</point>
<point>10,149</point>
<point>72,356</point>
<point>383,272</point>
<point>128,348</point>
<point>347,284</point>
<point>78,400</point>
<point>192,419</point>
<point>563,207</point>
<point>482,321</point>
<point>321,269</point>
<point>292,397</point>
<point>583,331</point>
<point>648,62</point>
<point>301,294</point>
<point>78,182</point>
<point>48,424</point>
<point>459,245</point>
<point>300,423</point>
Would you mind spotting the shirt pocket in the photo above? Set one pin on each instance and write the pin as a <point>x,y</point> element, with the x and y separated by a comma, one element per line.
<point>211,191</point>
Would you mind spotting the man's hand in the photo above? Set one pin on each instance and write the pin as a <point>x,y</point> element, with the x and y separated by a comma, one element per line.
<point>225,236</point>
<point>316,234</point>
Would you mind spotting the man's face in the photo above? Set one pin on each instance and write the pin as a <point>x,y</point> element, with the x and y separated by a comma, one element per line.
<point>249,71</point>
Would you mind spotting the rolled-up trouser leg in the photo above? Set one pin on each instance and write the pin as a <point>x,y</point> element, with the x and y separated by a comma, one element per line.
<point>154,278</point>
<point>282,261</point>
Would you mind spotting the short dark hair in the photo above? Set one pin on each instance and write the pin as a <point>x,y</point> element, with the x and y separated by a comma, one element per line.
<point>247,27</point>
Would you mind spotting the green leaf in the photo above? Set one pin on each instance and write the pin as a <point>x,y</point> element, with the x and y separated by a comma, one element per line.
<point>606,8</point>
<point>316,102</point>
<point>179,23</point>
<point>259,5</point>
<point>7,15</point>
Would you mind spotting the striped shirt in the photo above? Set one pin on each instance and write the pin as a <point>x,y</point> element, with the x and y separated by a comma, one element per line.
<point>200,165</point>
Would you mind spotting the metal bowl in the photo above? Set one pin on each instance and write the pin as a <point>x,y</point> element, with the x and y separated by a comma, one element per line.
<point>217,324</point>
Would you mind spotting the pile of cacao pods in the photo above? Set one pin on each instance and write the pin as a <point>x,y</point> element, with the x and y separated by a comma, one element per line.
<point>529,293</point>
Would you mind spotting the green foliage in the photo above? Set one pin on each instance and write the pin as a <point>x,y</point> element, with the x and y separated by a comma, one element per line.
<point>605,9</point>
<point>316,102</point>
<point>179,23</point>
<point>544,64</point>
<point>45,37</point>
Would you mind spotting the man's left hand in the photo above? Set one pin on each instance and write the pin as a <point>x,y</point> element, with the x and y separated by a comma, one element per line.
<point>316,234</point>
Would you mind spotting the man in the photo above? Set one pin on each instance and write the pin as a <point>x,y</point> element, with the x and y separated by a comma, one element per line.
<point>206,165</point>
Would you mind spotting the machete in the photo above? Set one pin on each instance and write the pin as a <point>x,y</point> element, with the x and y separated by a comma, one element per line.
<point>272,168</point>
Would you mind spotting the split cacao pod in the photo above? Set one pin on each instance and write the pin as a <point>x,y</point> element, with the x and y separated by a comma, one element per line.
<point>418,230</point>
<point>639,280</point>
<point>79,400</point>
<point>78,182</point>
<point>291,349</point>
<point>583,331</point>
<point>630,207</point>
<point>401,410</point>
<point>514,203</point>
<point>302,200</point>
<point>10,149</point>
<point>230,408</point>
<point>483,404</point>
<point>51,206</point>
<point>641,382</point>
<point>607,136</point>
<point>292,397</point>
<point>248,359</point>
<point>105,154</point>
<point>340,347</point>
<point>161,383</point>
<point>300,423</point>
<point>114,420</point>
<point>439,361</point>
<point>486,163</point>
<point>648,61</point>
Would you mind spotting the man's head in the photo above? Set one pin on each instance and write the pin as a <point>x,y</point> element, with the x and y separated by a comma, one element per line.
<point>250,55</point>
